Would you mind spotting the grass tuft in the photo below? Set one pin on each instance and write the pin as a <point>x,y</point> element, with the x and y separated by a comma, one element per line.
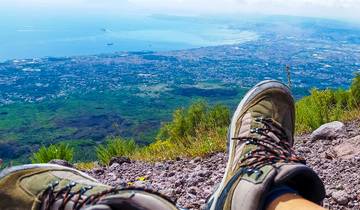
<point>59,151</point>
<point>115,147</point>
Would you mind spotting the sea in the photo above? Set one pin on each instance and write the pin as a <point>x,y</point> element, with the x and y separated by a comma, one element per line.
<point>33,36</point>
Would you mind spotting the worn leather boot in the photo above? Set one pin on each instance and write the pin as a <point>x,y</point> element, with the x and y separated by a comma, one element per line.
<point>261,136</point>
<point>54,187</point>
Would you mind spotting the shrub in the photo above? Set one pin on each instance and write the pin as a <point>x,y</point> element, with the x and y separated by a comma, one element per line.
<point>202,145</point>
<point>355,91</point>
<point>314,110</point>
<point>59,151</point>
<point>198,118</point>
<point>196,131</point>
<point>115,147</point>
<point>323,106</point>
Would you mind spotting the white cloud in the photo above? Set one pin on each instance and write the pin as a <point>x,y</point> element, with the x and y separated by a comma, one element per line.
<point>318,8</point>
<point>348,9</point>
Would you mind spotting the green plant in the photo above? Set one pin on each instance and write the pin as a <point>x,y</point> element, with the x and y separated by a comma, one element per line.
<point>196,131</point>
<point>323,106</point>
<point>355,91</point>
<point>199,117</point>
<point>59,151</point>
<point>115,147</point>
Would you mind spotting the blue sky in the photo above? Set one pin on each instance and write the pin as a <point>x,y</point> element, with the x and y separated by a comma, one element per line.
<point>338,9</point>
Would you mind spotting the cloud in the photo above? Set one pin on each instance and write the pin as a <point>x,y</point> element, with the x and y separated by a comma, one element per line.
<point>346,9</point>
<point>317,8</point>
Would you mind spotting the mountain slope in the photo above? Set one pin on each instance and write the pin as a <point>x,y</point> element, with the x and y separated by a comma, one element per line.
<point>190,181</point>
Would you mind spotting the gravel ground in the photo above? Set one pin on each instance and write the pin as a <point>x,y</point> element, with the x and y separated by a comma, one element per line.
<point>190,181</point>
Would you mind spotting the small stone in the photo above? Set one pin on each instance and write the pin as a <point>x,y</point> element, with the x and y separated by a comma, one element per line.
<point>193,190</point>
<point>203,173</point>
<point>179,183</point>
<point>168,192</point>
<point>339,187</point>
<point>178,190</point>
<point>201,179</point>
<point>330,131</point>
<point>114,166</point>
<point>120,181</point>
<point>193,181</point>
<point>112,176</point>
<point>139,184</point>
<point>340,197</point>
<point>329,156</point>
<point>329,193</point>
<point>171,174</point>
<point>196,160</point>
<point>348,150</point>
<point>98,171</point>
<point>208,173</point>
<point>304,150</point>
<point>207,192</point>
<point>210,182</point>
<point>119,160</point>
<point>169,162</point>
<point>160,166</point>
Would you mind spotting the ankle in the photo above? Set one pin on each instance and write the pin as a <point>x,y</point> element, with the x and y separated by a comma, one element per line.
<point>277,192</point>
<point>292,201</point>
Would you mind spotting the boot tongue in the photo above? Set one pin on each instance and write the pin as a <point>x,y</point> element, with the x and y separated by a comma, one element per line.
<point>251,120</point>
<point>263,109</point>
<point>302,179</point>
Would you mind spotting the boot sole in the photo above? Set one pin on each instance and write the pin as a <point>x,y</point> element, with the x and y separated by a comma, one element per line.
<point>251,94</point>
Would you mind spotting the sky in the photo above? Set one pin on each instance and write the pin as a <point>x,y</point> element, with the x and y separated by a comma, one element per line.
<point>336,9</point>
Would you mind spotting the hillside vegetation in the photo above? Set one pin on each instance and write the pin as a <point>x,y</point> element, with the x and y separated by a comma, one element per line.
<point>323,106</point>
<point>201,129</point>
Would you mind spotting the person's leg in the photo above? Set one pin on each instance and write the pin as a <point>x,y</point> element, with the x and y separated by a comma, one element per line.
<point>261,163</point>
<point>285,198</point>
<point>293,202</point>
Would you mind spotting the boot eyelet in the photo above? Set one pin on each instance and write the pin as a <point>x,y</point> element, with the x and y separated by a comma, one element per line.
<point>72,184</point>
<point>258,174</point>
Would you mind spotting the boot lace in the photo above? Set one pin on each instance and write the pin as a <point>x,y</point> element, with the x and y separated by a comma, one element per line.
<point>79,199</point>
<point>50,196</point>
<point>272,147</point>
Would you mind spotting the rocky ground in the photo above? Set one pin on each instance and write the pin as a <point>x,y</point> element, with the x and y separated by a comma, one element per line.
<point>190,181</point>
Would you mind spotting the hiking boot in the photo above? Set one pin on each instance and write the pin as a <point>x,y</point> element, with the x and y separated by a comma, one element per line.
<point>54,187</point>
<point>260,140</point>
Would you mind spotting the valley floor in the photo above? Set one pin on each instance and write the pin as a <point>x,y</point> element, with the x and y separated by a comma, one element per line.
<point>190,181</point>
